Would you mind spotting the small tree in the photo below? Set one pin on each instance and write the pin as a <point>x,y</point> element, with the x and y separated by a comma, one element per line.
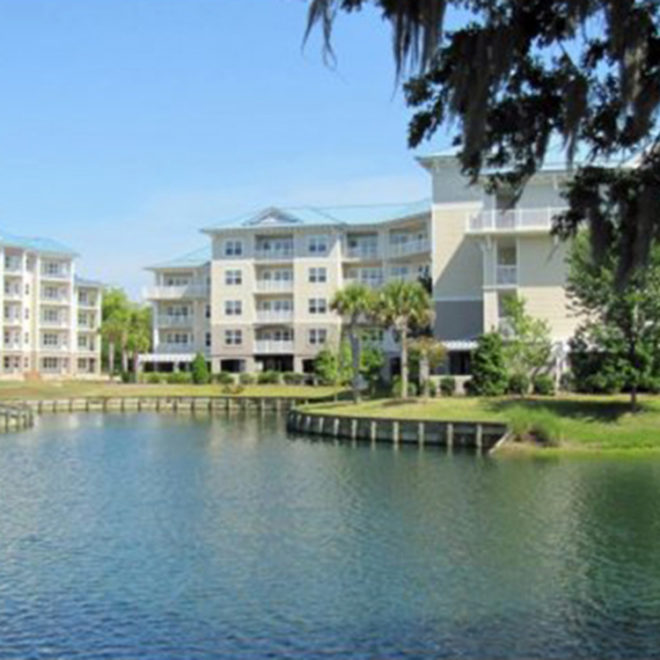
<point>430,353</point>
<point>138,335</point>
<point>527,345</point>
<point>371,364</point>
<point>345,367</point>
<point>326,367</point>
<point>489,374</point>
<point>200,370</point>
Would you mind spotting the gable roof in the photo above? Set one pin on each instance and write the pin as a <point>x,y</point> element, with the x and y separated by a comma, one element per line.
<point>37,244</point>
<point>193,259</point>
<point>84,283</point>
<point>310,216</point>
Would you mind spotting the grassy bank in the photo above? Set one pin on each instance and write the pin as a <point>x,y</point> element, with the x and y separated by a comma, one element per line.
<point>575,422</point>
<point>68,389</point>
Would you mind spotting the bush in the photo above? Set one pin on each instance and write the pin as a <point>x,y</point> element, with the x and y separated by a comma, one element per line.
<point>489,374</point>
<point>292,378</point>
<point>200,370</point>
<point>247,379</point>
<point>268,378</point>
<point>567,382</point>
<point>126,377</point>
<point>224,378</point>
<point>448,386</point>
<point>535,425</point>
<point>432,388</point>
<point>326,367</point>
<point>155,378</point>
<point>543,385</point>
<point>233,388</point>
<point>518,384</point>
<point>179,378</point>
<point>397,388</point>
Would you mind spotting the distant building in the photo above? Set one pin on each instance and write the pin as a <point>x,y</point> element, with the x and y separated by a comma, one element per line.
<point>51,317</point>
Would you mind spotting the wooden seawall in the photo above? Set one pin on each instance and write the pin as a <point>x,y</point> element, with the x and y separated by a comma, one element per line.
<point>482,436</point>
<point>15,416</point>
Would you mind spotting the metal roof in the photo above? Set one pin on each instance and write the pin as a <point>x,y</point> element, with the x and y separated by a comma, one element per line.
<point>92,284</point>
<point>193,259</point>
<point>37,244</point>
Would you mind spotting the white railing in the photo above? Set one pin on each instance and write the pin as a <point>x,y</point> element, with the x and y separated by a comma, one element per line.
<point>12,346</point>
<point>363,252</point>
<point>409,247</point>
<point>57,323</point>
<point>59,275</point>
<point>176,292</point>
<point>13,267</point>
<point>175,321</point>
<point>274,316</point>
<point>514,219</point>
<point>174,348</point>
<point>87,303</point>
<point>266,286</point>
<point>506,275</point>
<point>273,346</point>
<point>13,294</point>
<point>13,319</point>
<point>372,282</point>
<point>57,348</point>
<point>56,300</point>
<point>274,255</point>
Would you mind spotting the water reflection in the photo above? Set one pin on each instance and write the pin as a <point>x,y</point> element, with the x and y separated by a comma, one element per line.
<point>170,536</point>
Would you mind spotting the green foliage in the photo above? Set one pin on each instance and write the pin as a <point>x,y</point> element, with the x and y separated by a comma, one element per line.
<point>155,378</point>
<point>269,378</point>
<point>326,367</point>
<point>397,388</point>
<point>448,386</point>
<point>179,378</point>
<point>200,370</point>
<point>345,363</point>
<point>247,378</point>
<point>489,373</point>
<point>224,378</point>
<point>372,360</point>
<point>430,387</point>
<point>534,425</point>
<point>126,377</point>
<point>233,389</point>
<point>615,348</point>
<point>567,382</point>
<point>293,378</point>
<point>518,384</point>
<point>543,385</point>
<point>527,346</point>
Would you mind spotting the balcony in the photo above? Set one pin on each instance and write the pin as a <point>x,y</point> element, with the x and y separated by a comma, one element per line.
<point>514,220</point>
<point>176,292</point>
<point>409,248</point>
<point>274,286</point>
<point>181,321</point>
<point>284,254</point>
<point>275,316</point>
<point>12,346</point>
<point>273,346</point>
<point>55,323</point>
<point>174,348</point>
<point>362,252</point>
<point>13,294</point>
<point>56,348</point>
<point>372,282</point>
<point>55,300</point>
<point>506,275</point>
<point>89,304</point>
<point>55,275</point>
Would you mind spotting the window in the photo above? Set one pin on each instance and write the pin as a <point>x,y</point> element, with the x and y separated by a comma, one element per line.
<point>207,339</point>
<point>318,275</point>
<point>177,338</point>
<point>207,311</point>
<point>51,268</point>
<point>51,292</point>
<point>233,337</point>
<point>318,306</point>
<point>51,315</point>
<point>49,363</point>
<point>233,307</point>
<point>50,339</point>
<point>27,289</point>
<point>27,314</point>
<point>399,272</point>
<point>233,248</point>
<point>233,277</point>
<point>82,341</point>
<point>318,244</point>
<point>82,297</point>
<point>317,336</point>
<point>26,338</point>
<point>82,318</point>
<point>177,280</point>
<point>372,335</point>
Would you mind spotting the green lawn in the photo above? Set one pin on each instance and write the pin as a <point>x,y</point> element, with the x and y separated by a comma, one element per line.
<point>587,422</point>
<point>67,389</point>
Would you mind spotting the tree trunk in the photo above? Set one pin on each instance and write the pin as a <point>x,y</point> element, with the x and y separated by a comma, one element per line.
<point>633,398</point>
<point>136,365</point>
<point>355,354</point>
<point>124,359</point>
<point>424,374</point>
<point>404,364</point>
<point>111,358</point>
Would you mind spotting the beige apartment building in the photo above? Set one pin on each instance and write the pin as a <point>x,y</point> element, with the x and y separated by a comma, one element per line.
<point>259,296</point>
<point>51,317</point>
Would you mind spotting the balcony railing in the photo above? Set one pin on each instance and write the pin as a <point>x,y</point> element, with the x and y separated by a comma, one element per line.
<point>522,219</point>
<point>87,303</point>
<point>12,319</point>
<point>268,286</point>
<point>13,294</point>
<point>410,247</point>
<point>372,282</point>
<point>55,300</point>
<point>274,255</point>
<point>56,348</point>
<point>13,268</point>
<point>55,323</point>
<point>174,348</point>
<point>176,292</point>
<point>12,346</point>
<point>506,275</point>
<point>273,346</point>
<point>183,321</point>
<point>55,275</point>
<point>274,316</point>
<point>363,252</point>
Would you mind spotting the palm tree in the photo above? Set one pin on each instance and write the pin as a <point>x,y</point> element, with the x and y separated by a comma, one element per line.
<point>138,335</point>
<point>355,303</point>
<point>404,306</point>
<point>113,329</point>
<point>431,352</point>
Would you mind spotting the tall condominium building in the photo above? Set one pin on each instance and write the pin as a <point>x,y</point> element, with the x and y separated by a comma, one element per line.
<point>51,317</point>
<point>258,297</point>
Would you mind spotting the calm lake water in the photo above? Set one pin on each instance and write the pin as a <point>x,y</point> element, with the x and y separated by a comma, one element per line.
<point>146,536</point>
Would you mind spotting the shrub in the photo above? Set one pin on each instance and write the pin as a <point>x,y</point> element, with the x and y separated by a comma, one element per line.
<point>489,374</point>
<point>233,388</point>
<point>448,386</point>
<point>126,377</point>
<point>518,384</point>
<point>326,367</point>
<point>535,425</point>
<point>179,378</point>
<point>567,382</point>
<point>543,385</point>
<point>432,388</point>
<point>413,390</point>
<point>268,378</point>
<point>200,370</point>
<point>292,378</point>
<point>224,378</point>
<point>247,379</point>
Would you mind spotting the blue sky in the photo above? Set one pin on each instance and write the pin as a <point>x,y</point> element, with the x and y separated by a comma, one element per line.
<point>126,125</point>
